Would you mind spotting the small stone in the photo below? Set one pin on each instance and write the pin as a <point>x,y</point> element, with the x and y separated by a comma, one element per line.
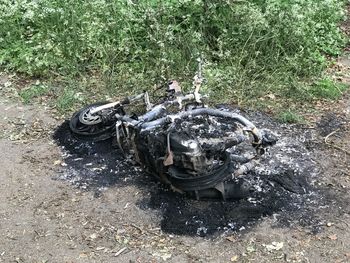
<point>57,162</point>
<point>93,236</point>
<point>234,258</point>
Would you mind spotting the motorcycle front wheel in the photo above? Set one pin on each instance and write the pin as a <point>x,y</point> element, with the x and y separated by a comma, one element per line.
<point>91,127</point>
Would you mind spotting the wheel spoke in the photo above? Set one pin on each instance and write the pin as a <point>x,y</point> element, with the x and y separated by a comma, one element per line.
<point>90,125</point>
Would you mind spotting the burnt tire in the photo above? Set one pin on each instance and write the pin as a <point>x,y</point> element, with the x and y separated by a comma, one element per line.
<point>97,131</point>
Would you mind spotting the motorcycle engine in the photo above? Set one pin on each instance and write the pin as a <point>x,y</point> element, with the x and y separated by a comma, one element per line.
<point>197,155</point>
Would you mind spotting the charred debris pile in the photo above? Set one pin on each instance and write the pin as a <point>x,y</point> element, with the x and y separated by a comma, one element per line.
<point>280,183</point>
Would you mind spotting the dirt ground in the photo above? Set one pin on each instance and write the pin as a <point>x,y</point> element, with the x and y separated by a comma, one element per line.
<point>45,218</point>
<point>48,215</point>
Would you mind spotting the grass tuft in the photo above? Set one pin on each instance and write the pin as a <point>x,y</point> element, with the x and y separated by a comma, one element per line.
<point>290,117</point>
<point>34,91</point>
<point>328,89</point>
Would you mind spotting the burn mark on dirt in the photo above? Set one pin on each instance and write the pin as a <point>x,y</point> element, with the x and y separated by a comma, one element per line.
<point>329,123</point>
<point>94,165</point>
<point>282,186</point>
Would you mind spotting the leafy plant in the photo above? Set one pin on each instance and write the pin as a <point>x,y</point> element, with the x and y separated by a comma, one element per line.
<point>250,48</point>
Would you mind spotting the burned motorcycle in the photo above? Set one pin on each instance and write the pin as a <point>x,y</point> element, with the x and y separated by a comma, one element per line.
<point>192,148</point>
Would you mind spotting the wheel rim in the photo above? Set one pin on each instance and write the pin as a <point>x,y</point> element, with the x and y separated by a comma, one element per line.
<point>88,119</point>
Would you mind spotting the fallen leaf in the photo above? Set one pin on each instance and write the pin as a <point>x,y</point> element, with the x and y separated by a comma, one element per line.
<point>57,162</point>
<point>271,96</point>
<point>120,251</point>
<point>174,85</point>
<point>93,236</point>
<point>231,238</point>
<point>166,256</point>
<point>250,249</point>
<point>234,258</point>
<point>7,84</point>
<point>333,237</point>
<point>274,246</point>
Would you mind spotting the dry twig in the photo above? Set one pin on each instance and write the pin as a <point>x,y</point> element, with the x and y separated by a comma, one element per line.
<point>334,145</point>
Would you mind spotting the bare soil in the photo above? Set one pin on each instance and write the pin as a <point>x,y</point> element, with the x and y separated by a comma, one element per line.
<point>51,212</point>
<point>69,205</point>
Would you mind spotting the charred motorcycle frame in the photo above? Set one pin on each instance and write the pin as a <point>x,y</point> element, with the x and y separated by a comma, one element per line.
<point>192,148</point>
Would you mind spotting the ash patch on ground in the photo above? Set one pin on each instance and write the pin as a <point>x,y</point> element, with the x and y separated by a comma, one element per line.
<point>94,165</point>
<point>283,186</point>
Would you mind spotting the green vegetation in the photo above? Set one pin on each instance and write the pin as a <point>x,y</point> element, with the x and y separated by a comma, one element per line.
<point>289,117</point>
<point>33,91</point>
<point>251,48</point>
<point>327,89</point>
<point>66,100</point>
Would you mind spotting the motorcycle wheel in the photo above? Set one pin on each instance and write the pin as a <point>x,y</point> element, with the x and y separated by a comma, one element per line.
<point>91,127</point>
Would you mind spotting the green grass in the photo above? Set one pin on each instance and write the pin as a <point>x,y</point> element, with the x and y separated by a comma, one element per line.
<point>34,91</point>
<point>66,101</point>
<point>290,117</point>
<point>328,89</point>
<point>71,96</point>
<point>250,48</point>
